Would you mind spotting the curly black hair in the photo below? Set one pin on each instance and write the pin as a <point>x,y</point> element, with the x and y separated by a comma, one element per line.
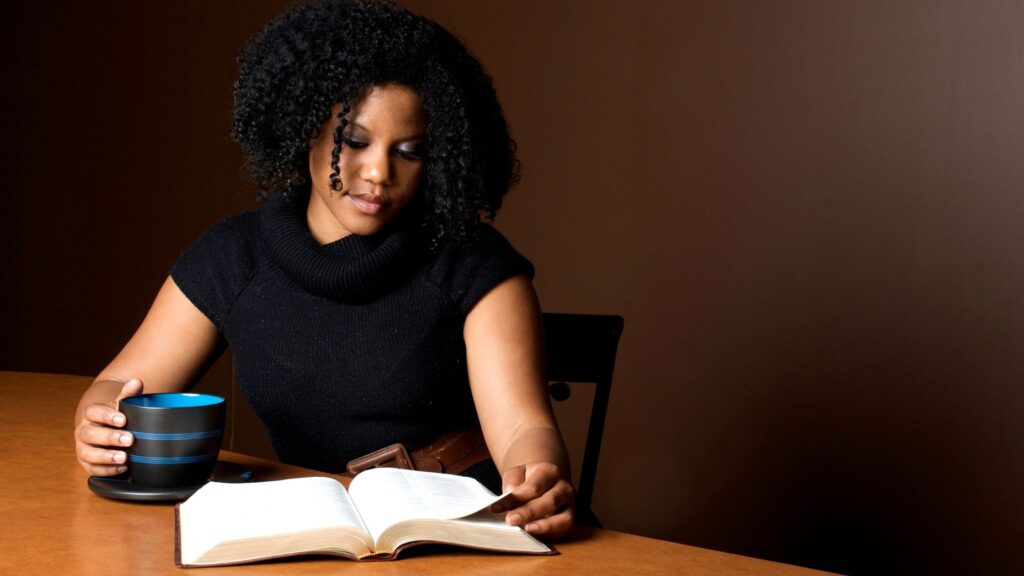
<point>333,52</point>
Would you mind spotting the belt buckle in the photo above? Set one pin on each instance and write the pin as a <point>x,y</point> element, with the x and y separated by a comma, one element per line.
<point>393,456</point>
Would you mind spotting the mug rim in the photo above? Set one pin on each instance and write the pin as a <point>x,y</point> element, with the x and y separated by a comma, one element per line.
<point>166,400</point>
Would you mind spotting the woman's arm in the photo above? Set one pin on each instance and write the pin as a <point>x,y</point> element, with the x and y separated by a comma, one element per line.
<point>505,358</point>
<point>173,344</point>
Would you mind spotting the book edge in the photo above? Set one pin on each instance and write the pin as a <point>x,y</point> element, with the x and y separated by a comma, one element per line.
<point>378,557</point>
<point>177,536</point>
<point>263,559</point>
<point>551,551</point>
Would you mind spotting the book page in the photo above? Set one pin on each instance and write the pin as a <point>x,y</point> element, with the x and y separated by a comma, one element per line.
<point>220,512</point>
<point>386,496</point>
<point>484,530</point>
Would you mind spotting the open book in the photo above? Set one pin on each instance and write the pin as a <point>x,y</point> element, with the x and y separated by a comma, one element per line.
<point>383,511</point>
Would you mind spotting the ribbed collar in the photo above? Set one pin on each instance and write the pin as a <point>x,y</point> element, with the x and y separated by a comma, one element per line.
<point>353,269</point>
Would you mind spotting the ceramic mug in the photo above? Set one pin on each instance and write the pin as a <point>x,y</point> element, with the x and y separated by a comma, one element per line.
<point>177,438</point>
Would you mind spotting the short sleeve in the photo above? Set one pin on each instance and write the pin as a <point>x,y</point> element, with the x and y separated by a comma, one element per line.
<point>467,273</point>
<point>215,269</point>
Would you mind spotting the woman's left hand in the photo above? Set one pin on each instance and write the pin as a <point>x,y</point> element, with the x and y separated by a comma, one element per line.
<point>541,500</point>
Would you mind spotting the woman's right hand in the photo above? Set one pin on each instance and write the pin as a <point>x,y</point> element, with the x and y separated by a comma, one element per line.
<point>99,429</point>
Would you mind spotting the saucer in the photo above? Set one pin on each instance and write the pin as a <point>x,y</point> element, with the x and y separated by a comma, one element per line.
<point>121,488</point>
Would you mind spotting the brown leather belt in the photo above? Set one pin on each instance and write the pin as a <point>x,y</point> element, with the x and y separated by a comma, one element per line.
<point>453,453</point>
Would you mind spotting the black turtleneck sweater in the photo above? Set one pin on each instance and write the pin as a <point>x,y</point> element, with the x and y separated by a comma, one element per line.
<point>345,348</point>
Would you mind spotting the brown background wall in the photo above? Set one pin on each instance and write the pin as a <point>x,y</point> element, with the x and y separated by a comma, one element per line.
<point>809,213</point>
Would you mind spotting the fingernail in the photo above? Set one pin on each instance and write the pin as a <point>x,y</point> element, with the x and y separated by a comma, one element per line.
<point>531,527</point>
<point>121,469</point>
<point>119,457</point>
<point>125,439</point>
<point>514,519</point>
<point>118,419</point>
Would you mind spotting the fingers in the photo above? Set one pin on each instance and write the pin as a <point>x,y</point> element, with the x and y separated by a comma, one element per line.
<point>103,436</point>
<point>546,505</point>
<point>541,500</point>
<point>100,429</point>
<point>130,388</point>
<point>94,470</point>
<point>108,414</point>
<point>512,478</point>
<point>99,461</point>
<point>552,527</point>
<point>91,443</point>
<point>530,481</point>
<point>104,415</point>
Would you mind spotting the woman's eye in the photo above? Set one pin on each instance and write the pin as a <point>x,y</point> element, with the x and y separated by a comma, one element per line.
<point>413,154</point>
<point>355,144</point>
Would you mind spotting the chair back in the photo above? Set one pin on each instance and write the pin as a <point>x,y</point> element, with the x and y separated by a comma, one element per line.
<point>581,348</point>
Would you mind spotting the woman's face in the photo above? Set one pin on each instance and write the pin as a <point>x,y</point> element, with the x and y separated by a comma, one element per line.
<point>380,165</point>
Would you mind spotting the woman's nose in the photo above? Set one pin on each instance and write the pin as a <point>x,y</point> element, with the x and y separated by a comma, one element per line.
<point>376,167</point>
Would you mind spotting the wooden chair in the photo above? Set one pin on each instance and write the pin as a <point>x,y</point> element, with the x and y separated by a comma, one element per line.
<point>581,349</point>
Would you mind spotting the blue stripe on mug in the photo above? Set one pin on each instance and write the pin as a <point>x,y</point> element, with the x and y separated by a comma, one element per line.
<point>171,459</point>
<point>176,435</point>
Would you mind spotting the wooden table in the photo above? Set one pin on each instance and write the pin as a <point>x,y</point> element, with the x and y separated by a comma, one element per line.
<point>51,523</point>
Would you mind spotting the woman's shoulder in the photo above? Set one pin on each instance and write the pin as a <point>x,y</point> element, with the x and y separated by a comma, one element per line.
<point>219,264</point>
<point>234,237</point>
<point>239,229</point>
<point>468,270</point>
<point>232,242</point>
<point>487,243</point>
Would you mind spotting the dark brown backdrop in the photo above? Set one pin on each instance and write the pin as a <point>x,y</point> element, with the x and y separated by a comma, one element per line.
<point>810,214</point>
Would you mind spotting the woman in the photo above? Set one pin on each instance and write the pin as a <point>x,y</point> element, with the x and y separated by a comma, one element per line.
<point>366,303</point>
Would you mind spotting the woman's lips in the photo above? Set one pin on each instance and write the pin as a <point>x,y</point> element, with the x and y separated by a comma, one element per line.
<point>367,203</point>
